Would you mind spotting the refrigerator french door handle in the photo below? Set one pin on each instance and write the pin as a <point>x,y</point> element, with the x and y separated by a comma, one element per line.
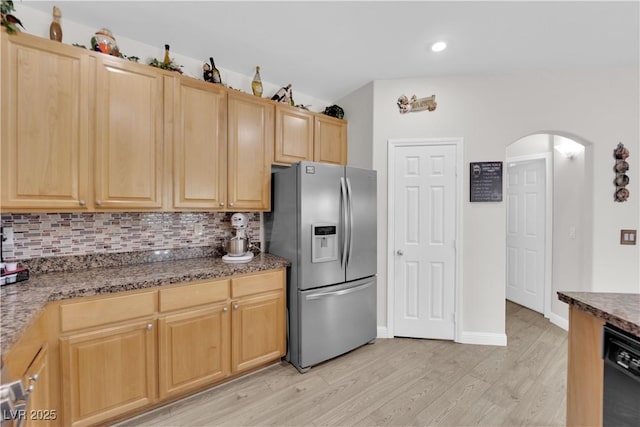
<point>350,236</point>
<point>338,293</point>
<point>343,193</point>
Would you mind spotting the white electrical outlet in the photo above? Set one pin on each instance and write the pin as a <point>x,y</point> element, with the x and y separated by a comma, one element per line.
<point>7,235</point>
<point>198,229</point>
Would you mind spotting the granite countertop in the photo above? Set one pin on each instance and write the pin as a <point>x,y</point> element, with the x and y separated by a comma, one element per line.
<point>621,310</point>
<point>21,303</point>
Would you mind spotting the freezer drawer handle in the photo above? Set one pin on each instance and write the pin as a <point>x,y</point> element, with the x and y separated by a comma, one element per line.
<point>337,293</point>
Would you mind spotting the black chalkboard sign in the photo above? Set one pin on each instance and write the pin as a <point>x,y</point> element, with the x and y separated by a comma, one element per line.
<point>486,181</point>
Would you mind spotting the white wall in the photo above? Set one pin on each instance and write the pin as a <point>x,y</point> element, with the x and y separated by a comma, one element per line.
<point>530,145</point>
<point>490,112</point>
<point>358,110</point>
<point>571,225</point>
<point>37,23</point>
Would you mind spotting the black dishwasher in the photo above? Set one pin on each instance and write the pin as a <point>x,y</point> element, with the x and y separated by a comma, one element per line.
<point>621,394</point>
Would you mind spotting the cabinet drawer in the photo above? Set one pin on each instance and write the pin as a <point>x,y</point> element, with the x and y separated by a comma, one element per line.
<point>106,310</point>
<point>193,295</point>
<point>257,283</point>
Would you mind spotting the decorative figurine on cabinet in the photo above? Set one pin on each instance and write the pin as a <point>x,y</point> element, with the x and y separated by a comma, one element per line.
<point>207,74</point>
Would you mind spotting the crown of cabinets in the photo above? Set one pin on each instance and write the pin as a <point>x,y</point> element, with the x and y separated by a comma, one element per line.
<point>83,131</point>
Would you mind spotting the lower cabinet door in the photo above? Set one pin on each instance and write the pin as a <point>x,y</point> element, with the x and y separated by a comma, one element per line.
<point>108,372</point>
<point>193,349</point>
<point>258,330</point>
<point>39,410</point>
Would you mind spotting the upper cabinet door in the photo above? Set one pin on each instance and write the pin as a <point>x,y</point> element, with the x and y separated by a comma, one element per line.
<point>128,135</point>
<point>250,145</point>
<point>330,140</point>
<point>45,93</point>
<point>199,145</point>
<point>294,135</point>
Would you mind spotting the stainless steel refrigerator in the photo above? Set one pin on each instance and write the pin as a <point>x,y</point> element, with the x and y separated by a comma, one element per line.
<point>323,220</point>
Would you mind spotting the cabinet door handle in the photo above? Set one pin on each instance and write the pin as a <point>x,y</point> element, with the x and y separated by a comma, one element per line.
<point>149,326</point>
<point>98,202</point>
<point>82,202</point>
<point>34,378</point>
<point>221,203</point>
<point>224,310</point>
<point>236,306</point>
<point>231,204</point>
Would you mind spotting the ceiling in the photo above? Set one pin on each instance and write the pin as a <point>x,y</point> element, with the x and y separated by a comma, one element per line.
<point>328,49</point>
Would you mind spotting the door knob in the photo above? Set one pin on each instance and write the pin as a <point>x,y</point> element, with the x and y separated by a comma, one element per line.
<point>400,252</point>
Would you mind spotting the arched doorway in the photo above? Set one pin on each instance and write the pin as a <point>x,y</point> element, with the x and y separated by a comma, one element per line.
<point>549,219</point>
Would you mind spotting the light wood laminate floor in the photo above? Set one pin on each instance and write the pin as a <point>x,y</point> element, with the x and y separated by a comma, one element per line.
<point>399,382</point>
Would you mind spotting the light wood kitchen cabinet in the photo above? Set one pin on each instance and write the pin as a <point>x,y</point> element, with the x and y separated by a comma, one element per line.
<point>249,143</point>
<point>108,372</point>
<point>193,338</point>
<point>193,349</point>
<point>128,135</point>
<point>40,411</point>
<point>44,124</point>
<point>294,135</point>
<point>258,324</point>
<point>330,140</point>
<point>199,145</point>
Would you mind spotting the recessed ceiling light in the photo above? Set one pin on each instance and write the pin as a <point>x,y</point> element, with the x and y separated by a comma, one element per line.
<point>438,46</point>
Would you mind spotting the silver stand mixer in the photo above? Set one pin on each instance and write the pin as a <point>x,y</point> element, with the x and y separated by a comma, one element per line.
<point>238,245</point>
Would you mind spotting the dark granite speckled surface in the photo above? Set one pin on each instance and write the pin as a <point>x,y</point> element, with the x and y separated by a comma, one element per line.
<point>621,310</point>
<point>20,303</point>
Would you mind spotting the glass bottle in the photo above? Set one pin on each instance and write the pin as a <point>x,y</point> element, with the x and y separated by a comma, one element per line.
<point>167,60</point>
<point>214,70</point>
<point>55,29</point>
<point>256,84</point>
<point>280,94</point>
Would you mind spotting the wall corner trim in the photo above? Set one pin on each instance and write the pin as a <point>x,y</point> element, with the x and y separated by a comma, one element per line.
<point>482,338</point>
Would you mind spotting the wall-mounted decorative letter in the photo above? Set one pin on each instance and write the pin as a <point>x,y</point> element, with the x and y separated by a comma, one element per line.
<point>620,153</point>
<point>415,104</point>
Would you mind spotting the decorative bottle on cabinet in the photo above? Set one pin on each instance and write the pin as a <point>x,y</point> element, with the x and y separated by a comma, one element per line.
<point>55,29</point>
<point>280,94</point>
<point>167,59</point>
<point>256,84</point>
<point>214,70</point>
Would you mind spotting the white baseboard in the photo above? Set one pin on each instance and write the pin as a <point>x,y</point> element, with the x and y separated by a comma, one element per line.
<point>383,332</point>
<point>559,321</point>
<point>482,338</point>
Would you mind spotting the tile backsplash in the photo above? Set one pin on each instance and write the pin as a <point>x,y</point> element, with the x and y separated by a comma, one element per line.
<point>63,234</point>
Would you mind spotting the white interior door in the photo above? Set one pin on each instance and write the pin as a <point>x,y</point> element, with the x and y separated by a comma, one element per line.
<point>424,232</point>
<point>526,228</point>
